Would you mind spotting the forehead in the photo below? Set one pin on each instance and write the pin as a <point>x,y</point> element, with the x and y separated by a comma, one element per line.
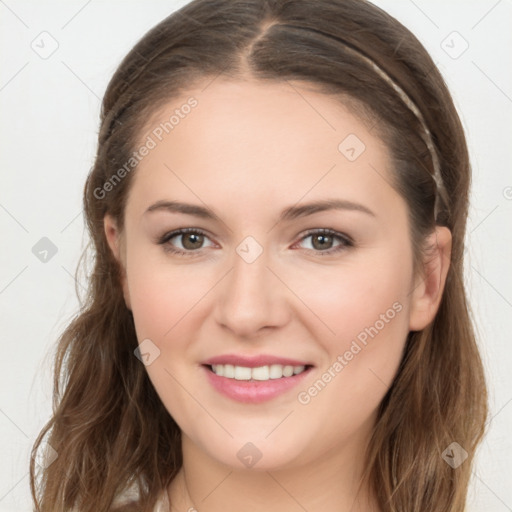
<point>256,112</point>
<point>261,141</point>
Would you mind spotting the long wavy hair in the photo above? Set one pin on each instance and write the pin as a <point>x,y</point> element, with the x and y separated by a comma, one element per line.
<point>109,427</point>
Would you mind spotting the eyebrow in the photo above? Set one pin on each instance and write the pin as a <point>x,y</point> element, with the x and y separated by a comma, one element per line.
<point>288,214</point>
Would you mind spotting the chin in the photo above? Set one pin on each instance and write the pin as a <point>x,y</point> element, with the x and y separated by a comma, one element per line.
<point>255,453</point>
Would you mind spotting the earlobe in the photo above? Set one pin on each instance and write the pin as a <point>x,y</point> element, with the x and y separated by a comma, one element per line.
<point>429,287</point>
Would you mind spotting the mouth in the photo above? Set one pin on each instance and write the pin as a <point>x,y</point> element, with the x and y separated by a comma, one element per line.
<point>255,384</point>
<point>259,373</point>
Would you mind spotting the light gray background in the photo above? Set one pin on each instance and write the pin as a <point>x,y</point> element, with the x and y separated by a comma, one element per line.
<point>49,121</point>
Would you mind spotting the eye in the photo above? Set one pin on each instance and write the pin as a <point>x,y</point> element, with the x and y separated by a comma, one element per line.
<point>323,239</point>
<point>192,240</point>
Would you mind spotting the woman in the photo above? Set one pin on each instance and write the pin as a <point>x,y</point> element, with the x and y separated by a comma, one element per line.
<point>277,317</point>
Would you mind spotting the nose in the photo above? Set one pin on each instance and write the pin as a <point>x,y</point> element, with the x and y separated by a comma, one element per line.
<point>251,298</point>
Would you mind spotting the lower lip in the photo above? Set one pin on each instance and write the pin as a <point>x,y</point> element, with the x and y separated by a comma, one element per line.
<point>253,392</point>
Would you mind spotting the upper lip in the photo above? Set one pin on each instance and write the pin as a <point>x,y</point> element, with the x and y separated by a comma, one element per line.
<point>254,361</point>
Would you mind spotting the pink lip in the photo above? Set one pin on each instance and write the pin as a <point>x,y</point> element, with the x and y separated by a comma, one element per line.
<point>254,361</point>
<point>252,391</point>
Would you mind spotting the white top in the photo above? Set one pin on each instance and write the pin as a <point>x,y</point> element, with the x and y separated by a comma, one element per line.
<point>131,494</point>
<point>163,505</point>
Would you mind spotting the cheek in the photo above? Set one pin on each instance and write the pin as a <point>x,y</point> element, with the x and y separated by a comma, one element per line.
<point>366,308</point>
<point>161,295</point>
<point>347,300</point>
<point>166,303</point>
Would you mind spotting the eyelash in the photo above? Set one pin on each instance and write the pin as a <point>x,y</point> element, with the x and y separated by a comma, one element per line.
<point>346,241</point>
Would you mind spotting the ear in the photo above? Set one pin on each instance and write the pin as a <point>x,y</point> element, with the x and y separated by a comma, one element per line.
<point>429,285</point>
<point>114,241</point>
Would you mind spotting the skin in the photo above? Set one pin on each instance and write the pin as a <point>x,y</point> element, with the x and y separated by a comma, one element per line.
<point>248,151</point>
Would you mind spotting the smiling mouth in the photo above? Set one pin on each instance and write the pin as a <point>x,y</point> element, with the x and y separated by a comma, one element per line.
<point>260,373</point>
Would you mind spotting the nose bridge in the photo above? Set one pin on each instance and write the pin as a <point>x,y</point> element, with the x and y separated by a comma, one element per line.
<point>249,298</point>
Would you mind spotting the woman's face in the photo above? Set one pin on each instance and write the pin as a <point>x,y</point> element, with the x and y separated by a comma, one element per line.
<point>259,286</point>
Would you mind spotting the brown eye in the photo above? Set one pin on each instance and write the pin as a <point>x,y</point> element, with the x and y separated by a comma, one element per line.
<point>192,240</point>
<point>187,241</point>
<point>323,241</point>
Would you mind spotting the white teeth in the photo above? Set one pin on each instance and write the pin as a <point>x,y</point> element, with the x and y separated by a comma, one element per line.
<point>229,371</point>
<point>274,371</point>
<point>287,371</point>
<point>242,373</point>
<point>260,373</point>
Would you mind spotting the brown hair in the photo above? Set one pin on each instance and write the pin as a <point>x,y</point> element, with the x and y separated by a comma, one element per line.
<point>109,427</point>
